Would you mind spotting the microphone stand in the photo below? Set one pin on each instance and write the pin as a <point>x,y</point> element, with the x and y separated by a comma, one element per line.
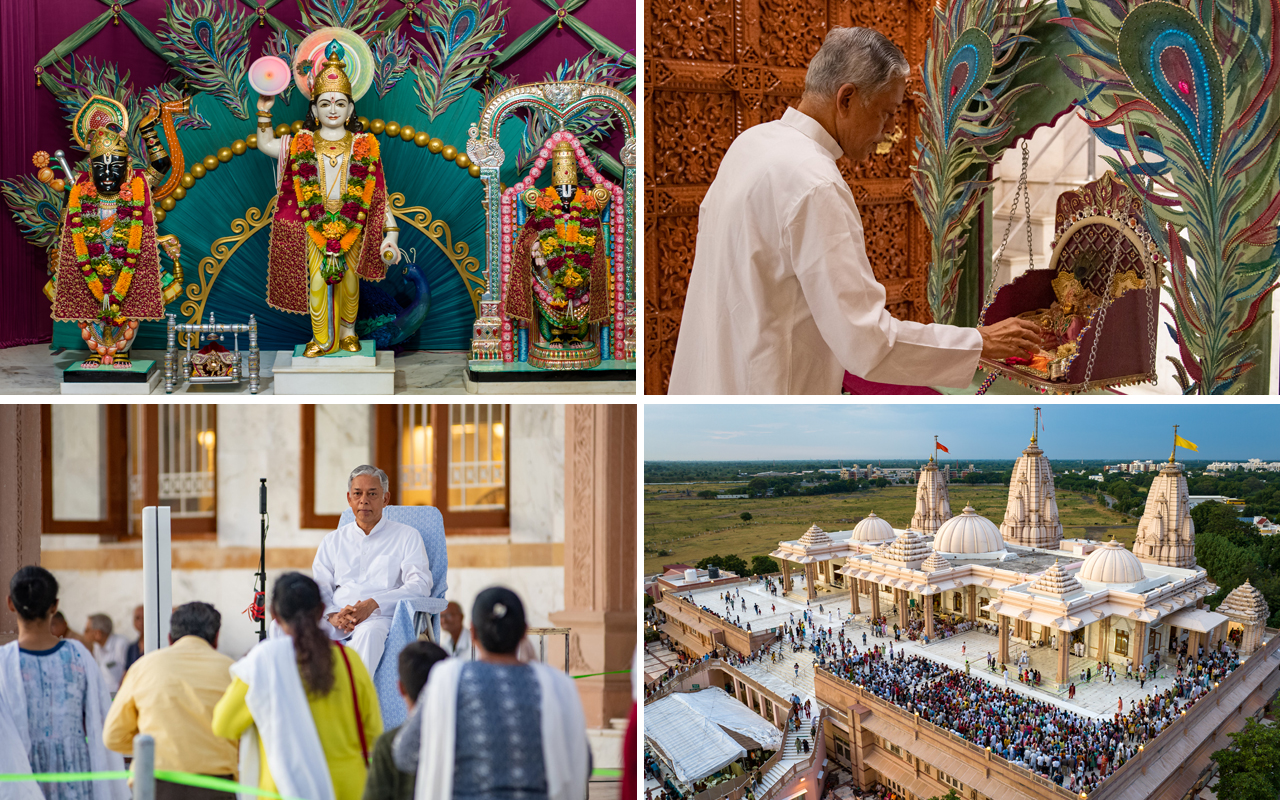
<point>260,593</point>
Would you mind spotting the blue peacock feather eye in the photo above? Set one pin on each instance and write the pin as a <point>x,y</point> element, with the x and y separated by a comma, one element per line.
<point>1171,60</point>
<point>967,70</point>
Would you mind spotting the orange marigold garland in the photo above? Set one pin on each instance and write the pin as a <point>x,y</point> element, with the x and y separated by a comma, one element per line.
<point>334,232</point>
<point>107,250</point>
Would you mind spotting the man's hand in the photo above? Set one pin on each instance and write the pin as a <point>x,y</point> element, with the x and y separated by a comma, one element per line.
<point>351,616</point>
<point>338,619</point>
<point>1010,337</point>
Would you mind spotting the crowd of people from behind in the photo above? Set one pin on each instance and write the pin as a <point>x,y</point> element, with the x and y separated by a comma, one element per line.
<point>1071,750</point>
<point>297,715</point>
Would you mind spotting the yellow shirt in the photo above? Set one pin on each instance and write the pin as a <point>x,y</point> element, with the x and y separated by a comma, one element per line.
<point>170,694</point>
<point>335,718</point>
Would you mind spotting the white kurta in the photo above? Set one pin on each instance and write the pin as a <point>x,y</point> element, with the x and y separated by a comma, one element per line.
<point>388,565</point>
<point>782,298</point>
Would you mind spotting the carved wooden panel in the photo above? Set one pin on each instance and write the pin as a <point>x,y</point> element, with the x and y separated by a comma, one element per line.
<point>713,69</point>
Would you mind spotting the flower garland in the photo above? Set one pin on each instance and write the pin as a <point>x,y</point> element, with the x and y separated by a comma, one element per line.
<point>568,243</point>
<point>107,260</point>
<point>334,232</point>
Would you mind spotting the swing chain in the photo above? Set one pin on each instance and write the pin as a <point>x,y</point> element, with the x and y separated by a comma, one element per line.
<point>1102,313</point>
<point>1021,192</point>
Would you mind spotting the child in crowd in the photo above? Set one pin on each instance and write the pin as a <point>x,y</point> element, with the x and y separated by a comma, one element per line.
<point>385,781</point>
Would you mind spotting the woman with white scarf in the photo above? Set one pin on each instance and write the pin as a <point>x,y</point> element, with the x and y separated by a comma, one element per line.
<point>52,702</point>
<point>497,728</point>
<point>303,707</point>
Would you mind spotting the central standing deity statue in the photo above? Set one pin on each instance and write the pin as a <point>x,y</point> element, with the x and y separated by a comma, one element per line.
<point>332,225</point>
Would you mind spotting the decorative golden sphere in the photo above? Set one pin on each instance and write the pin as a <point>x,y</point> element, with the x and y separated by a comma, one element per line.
<point>160,215</point>
<point>198,171</point>
<point>225,154</point>
<point>168,203</point>
<point>282,129</point>
<point>377,126</point>
<point>187,180</point>
<point>296,126</point>
<point>473,171</point>
<point>251,141</point>
<point>211,163</point>
<point>449,152</point>
<point>179,193</point>
<point>364,122</point>
<point>407,132</point>
<point>463,160</point>
<point>435,145</point>
<point>44,175</point>
<point>393,128</point>
<point>238,147</point>
<point>57,184</point>
<point>421,138</point>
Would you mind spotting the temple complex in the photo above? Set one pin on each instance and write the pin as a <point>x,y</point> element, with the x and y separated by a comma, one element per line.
<point>1031,519</point>
<point>1166,534</point>
<point>933,506</point>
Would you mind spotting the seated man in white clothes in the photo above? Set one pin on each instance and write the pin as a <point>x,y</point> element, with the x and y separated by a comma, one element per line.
<point>368,566</point>
<point>109,649</point>
<point>456,639</point>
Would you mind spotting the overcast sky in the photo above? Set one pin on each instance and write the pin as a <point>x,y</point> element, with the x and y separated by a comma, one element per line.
<point>737,432</point>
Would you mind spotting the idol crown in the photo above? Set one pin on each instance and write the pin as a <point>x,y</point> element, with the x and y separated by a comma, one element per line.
<point>564,166</point>
<point>332,77</point>
<point>108,140</point>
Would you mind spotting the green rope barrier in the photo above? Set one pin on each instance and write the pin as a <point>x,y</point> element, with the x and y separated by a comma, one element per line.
<point>65,777</point>
<point>210,782</point>
<point>186,779</point>
<point>607,773</point>
<point>594,674</point>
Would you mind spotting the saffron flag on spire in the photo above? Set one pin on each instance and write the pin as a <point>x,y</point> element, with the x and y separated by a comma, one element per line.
<point>1180,442</point>
<point>942,447</point>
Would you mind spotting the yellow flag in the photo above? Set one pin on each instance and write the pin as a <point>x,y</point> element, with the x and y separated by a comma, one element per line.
<point>1180,442</point>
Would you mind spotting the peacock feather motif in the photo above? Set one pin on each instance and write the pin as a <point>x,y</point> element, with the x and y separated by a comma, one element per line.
<point>36,208</point>
<point>966,111</point>
<point>360,16</point>
<point>280,44</point>
<point>73,81</point>
<point>211,42</point>
<point>168,92</point>
<point>1185,97</point>
<point>461,39</point>
<point>591,125</point>
<point>391,53</point>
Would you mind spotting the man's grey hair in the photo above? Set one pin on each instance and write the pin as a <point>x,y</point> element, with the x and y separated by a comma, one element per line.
<point>365,469</point>
<point>862,56</point>
<point>100,622</point>
<point>195,619</point>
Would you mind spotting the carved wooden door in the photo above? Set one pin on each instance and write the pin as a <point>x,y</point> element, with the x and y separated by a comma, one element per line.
<point>713,69</point>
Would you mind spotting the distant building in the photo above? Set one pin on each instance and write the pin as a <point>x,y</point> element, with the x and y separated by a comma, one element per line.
<point>732,496</point>
<point>1196,499</point>
<point>1253,465</point>
<point>1097,478</point>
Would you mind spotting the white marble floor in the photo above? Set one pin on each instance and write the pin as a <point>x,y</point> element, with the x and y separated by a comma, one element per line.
<point>36,370</point>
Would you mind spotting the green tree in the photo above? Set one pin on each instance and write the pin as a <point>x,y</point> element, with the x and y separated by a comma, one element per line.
<point>729,563</point>
<point>745,516</point>
<point>707,494</point>
<point>880,483</point>
<point>763,565</point>
<point>648,599</point>
<point>1250,769</point>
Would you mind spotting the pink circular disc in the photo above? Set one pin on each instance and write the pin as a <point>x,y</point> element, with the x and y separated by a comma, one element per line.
<point>269,75</point>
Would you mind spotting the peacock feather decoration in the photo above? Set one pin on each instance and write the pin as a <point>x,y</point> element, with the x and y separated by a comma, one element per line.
<point>73,81</point>
<point>211,41</point>
<point>36,208</point>
<point>360,16</point>
<point>966,111</point>
<point>168,92</point>
<point>281,45</point>
<point>1185,96</point>
<point>461,39</point>
<point>391,53</point>
<point>589,126</point>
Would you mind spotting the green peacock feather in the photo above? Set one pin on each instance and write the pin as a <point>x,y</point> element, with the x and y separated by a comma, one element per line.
<point>966,111</point>
<point>391,53</point>
<point>281,45</point>
<point>74,81</point>
<point>1185,96</point>
<point>590,126</point>
<point>212,44</point>
<point>361,16</point>
<point>461,39</point>
<point>36,208</point>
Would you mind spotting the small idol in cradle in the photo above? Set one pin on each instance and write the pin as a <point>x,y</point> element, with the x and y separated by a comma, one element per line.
<point>332,225</point>
<point>108,267</point>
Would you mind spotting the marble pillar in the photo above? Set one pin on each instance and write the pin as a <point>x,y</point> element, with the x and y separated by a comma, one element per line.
<point>600,555</point>
<point>21,477</point>
<point>902,608</point>
<point>971,603</point>
<point>1064,657</point>
<point>928,617</point>
<point>810,581</point>
<point>1104,639</point>
<point>853,597</point>
<point>1004,638</point>
<point>875,600</point>
<point>1138,644</point>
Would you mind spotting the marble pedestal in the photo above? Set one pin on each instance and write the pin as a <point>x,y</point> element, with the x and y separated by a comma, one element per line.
<point>349,375</point>
<point>144,378</point>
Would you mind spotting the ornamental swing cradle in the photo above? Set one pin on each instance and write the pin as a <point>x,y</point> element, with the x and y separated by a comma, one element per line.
<point>1100,295</point>
<point>500,341</point>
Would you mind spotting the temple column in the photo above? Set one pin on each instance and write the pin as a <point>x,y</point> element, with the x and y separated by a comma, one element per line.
<point>810,578</point>
<point>1004,638</point>
<point>853,597</point>
<point>902,609</point>
<point>875,599</point>
<point>600,555</point>
<point>1139,646</point>
<point>786,576</point>
<point>928,617</point>
<point>1104,639</point>
<point>21,476</point>
<point>1064,657</point>
<point>971,602</point>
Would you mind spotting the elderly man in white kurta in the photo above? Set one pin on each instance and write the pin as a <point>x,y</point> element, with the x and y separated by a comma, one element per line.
<point>782,298</point>
<point>366,567</point>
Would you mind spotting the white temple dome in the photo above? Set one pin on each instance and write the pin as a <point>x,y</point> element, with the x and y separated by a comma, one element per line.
<point>873,529</point>
<point>1112,563</point>
<point>968,533</point>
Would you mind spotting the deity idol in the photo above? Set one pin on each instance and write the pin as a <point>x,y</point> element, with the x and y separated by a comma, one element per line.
<point>108,274</point>
<point>332,225</point>
<point>560,268</point>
